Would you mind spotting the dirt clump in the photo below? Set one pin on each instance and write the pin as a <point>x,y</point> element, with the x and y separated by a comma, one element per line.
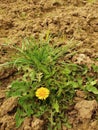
<point>6,72</point>
<point>8,106</point>
<point>32,124</point>
<point>81,117</point>
<point>86,109</point>
<point>7,122</point>
<point>82,59</point>
<point>37,124</point>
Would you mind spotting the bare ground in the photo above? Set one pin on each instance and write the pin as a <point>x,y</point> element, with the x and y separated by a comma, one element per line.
<point>75,20</point>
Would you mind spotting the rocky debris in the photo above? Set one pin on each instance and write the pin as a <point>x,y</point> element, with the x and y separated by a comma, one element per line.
<point>85,109</point>
<point>8,105</point>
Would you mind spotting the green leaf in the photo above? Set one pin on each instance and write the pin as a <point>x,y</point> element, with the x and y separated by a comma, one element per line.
<point>95,68</point>
<point>25,103</point>
<point>67,71</point>
<point>56,106</point>
<point>19,117</point>
<point>18,88</point>
<point>93,82</point>
<point>92,89</point>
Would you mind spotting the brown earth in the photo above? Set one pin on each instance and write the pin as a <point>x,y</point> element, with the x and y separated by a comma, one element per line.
<point>67,20</point>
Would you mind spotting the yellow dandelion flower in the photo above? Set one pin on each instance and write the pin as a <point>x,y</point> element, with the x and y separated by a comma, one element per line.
<point>42,93</point>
